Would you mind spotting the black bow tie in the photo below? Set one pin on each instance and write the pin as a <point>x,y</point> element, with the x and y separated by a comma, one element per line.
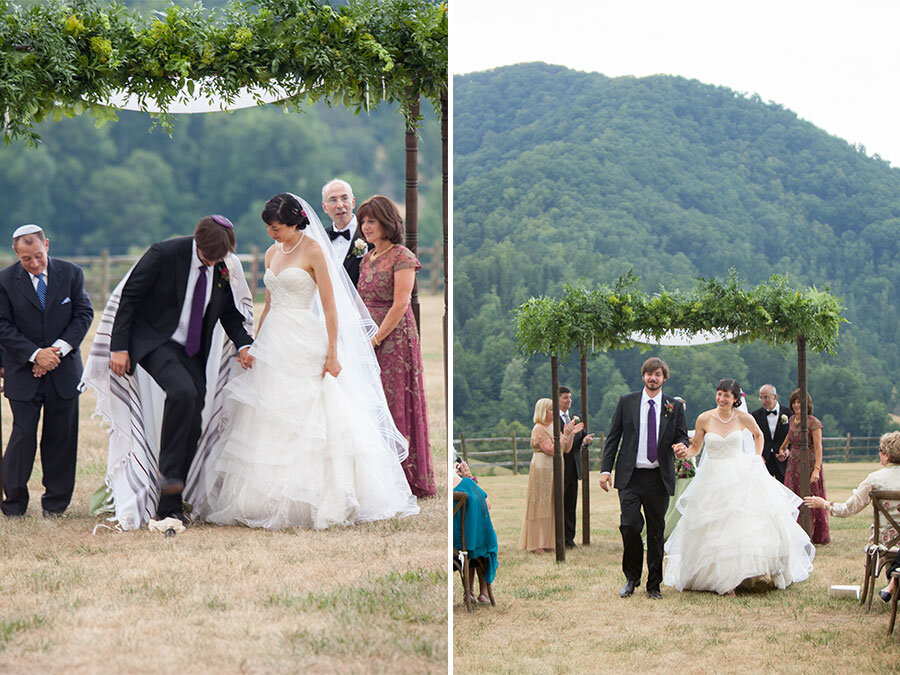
<point>334,234</point>
<point>772,412</point>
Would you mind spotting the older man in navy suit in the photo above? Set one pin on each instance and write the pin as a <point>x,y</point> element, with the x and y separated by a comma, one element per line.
<point>44,315</point>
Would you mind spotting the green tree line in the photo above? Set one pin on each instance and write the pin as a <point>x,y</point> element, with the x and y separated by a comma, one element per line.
<point>562,175</point>
<point>127,184</point>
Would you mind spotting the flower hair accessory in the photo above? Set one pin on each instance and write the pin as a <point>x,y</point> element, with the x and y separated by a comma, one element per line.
<point>223,221</point>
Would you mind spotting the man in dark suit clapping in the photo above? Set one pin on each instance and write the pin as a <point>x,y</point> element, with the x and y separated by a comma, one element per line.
<point>772,419</point>
<point>44,315</point>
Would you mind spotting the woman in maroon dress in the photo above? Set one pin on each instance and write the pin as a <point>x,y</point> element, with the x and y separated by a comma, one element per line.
<point>386,277</point>
<point>792,479</point>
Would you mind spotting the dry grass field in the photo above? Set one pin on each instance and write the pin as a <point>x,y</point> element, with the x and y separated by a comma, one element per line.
<point>561,618</point>
<point>227,599</point>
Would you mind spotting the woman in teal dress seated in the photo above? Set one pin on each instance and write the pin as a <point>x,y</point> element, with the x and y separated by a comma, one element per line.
<point>481,539</point>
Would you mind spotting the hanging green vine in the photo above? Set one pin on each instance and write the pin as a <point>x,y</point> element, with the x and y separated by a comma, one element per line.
<point>606,317</point>
<point>64,58</point>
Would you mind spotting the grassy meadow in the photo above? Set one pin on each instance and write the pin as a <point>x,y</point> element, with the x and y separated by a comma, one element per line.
<point>568,617</point>
<point>371,598</point>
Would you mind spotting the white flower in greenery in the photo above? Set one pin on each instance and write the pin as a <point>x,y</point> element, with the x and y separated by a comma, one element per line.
<point>360,246</point>
<point>784,419</point>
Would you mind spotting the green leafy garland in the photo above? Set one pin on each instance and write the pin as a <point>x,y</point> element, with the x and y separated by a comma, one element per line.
<point>606,317</point>
<point>64,58</point>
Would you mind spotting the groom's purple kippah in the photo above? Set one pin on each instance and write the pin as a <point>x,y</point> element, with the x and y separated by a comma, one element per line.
<point>223,221</point>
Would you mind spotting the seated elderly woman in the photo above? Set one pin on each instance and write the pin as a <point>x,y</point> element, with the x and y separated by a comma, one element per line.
<point>887,478</point>
<point>481,539</point>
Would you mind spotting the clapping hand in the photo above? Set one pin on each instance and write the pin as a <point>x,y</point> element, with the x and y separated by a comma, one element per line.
<point>586,441</point>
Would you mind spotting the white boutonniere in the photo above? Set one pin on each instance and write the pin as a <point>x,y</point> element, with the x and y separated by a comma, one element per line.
<point>784,419</point>
<point>360,246</point>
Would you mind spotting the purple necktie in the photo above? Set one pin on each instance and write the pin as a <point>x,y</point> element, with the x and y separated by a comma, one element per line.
<point>651,432</point>
<point>195,325</point>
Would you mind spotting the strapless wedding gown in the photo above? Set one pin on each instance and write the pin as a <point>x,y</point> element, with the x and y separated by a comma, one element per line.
<point>295,451</point>
<point>737,522</point>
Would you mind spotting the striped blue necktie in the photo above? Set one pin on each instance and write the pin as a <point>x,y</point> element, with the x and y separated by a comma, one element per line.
<point>41,290</point>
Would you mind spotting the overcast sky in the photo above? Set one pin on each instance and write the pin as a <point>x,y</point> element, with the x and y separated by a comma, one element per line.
<point>836,63</point>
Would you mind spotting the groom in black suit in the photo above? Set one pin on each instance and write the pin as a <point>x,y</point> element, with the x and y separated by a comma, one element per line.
<point>772,419</point>
<point>169,307</point>
<point>44,315</point>
<point>646,428</point>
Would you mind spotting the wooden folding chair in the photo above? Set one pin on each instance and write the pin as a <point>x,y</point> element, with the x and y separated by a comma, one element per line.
<point>461,556</point>
<point>879,553</point>
<point>896,575</point>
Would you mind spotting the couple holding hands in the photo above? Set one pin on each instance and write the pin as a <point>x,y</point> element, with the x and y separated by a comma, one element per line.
<point>738,522</point>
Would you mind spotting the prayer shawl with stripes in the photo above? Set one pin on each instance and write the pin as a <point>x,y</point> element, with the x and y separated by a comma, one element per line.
<point>132,407</point>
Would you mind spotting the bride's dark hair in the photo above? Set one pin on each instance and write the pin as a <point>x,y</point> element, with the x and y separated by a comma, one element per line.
<point>731,386</point>
<point>285,209</point>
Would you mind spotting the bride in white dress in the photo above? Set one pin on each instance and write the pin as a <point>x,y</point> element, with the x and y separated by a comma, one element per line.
<point>309,440</point>
<point>737,522</point>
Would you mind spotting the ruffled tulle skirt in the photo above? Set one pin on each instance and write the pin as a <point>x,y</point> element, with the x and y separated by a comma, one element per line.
<point>737,522</point>
<point>294,452</point>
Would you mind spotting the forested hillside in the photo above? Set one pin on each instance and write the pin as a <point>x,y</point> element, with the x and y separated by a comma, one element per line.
<point>123,186</point>
<point>562,175</point>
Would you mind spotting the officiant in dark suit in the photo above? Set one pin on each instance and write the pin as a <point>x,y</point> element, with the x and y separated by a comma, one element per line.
<point>44,315</point>
<point>347,240</point>
<point>169,306</point>
<point>773,420</point>
<point>646,428</point>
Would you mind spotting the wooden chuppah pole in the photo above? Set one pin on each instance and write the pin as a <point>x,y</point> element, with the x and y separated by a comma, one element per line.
<point>585,462</point>
<point>412,191</point>
<point>805,516</point>
<point>445,201</point>
<point>558,515</point>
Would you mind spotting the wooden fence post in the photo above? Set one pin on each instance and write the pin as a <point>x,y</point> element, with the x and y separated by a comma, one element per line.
<point>104,275</point>
<point>515,460</point>
<point>462,448</point>
<point>254,272</point>
<point>847,449</point>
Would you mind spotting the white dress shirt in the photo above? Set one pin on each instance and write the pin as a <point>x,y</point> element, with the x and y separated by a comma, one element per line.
<point>641,462</point>
<point>64,347</point>
<point>180,334</point>
<point>340,246</point>
<point>772,420</point>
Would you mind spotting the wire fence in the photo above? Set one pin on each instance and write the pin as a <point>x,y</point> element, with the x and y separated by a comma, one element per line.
<point>514,452</point>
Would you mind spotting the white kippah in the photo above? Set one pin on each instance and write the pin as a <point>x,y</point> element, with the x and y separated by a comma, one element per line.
<point>26,229</point>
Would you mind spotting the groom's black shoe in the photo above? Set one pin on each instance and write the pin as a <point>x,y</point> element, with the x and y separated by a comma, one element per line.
<point>654,594</point>
<point>170,486</point>
<point>628,588</point>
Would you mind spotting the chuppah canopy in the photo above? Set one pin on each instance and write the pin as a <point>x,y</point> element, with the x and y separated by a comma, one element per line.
<point>621,316</point>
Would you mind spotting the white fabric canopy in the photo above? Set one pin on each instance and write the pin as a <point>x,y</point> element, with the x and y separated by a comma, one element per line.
<point>680,338</point>
<point>185,102</point>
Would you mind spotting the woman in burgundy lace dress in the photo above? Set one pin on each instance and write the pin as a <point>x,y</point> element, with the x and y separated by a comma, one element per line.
<point>386,277</point>
<point>820,533</point>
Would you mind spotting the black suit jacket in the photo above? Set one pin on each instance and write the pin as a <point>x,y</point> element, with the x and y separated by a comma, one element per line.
<point>25,327</point>
<point>575,452</point>
<point>770,444</point>
<point>351,260</point>
<point>153,296</point>
<point>626,428</point>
